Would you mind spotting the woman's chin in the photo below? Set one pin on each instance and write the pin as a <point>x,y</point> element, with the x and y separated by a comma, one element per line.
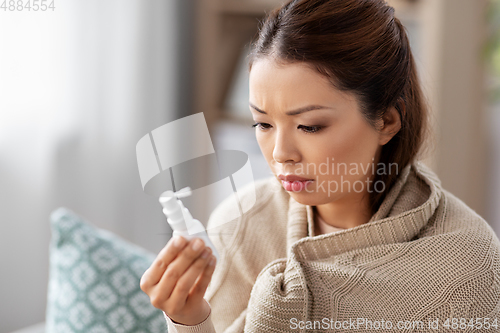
<point>305,198</point>
<point>313,198</point>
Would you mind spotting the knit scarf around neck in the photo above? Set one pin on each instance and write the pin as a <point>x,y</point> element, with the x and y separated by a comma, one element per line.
<point>423,256</point>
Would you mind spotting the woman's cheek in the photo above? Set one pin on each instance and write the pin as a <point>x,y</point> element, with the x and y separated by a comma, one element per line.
<point>266,146</point>
<point>346,157</point>
<point>356,143</point>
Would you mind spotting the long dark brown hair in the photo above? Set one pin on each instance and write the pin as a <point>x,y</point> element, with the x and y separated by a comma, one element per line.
<point>361,48</point>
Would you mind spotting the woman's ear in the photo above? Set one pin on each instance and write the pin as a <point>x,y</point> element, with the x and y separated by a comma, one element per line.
<point>390,124</point>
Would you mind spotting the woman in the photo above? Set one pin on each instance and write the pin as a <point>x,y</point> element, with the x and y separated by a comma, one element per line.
<point>352,233</point>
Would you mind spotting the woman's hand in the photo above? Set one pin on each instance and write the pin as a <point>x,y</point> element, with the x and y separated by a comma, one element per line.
<point>178,278</point>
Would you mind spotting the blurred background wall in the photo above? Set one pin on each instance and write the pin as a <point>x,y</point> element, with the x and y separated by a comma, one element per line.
<point>81,84</point>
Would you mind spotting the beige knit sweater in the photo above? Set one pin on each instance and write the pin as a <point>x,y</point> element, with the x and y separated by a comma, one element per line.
<point>423,259</point>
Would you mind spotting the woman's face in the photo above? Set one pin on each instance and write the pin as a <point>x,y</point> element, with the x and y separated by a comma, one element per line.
<point>331,144</point>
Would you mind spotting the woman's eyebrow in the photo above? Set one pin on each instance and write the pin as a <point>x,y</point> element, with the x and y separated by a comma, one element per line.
<point>294,112</point>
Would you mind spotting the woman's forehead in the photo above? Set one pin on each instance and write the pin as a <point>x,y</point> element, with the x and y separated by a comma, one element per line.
<point>292,84</point>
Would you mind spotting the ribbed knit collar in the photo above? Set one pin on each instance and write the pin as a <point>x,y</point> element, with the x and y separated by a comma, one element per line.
<point>397,220</point>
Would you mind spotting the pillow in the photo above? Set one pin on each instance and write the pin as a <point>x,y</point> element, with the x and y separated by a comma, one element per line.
<point>94,281</point>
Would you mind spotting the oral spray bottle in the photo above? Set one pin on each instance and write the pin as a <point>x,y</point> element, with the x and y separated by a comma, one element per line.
<point>180,220</point>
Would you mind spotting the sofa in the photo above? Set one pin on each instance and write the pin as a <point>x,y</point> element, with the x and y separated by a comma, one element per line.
<point>94,280</point>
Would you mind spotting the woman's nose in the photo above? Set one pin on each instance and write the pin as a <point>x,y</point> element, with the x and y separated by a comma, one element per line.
<point>285,149</point>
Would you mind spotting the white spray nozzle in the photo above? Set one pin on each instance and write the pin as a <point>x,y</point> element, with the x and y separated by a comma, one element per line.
<point>180,218</point>
<point>177,215</point>
<point>182,193</point>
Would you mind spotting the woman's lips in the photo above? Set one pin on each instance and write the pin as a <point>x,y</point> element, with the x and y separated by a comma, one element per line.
<point>292,178</point>
<point>294,183</point>
<point>295,186</point>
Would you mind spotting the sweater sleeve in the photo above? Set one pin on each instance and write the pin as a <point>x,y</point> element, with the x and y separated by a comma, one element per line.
<point>206,326</point>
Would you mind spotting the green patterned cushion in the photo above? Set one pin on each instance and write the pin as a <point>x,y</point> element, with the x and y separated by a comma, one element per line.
<point>94,281</point>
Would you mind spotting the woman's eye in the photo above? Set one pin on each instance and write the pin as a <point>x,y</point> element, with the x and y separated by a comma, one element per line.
<point>262,126</point>
<point>310,129</point>
<point>307,129</point>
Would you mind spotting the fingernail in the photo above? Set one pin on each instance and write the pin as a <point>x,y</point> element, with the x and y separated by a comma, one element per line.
<point>178,241</point>
<point>205,253</point>
<point>212,261</point>
<point>197,244</point>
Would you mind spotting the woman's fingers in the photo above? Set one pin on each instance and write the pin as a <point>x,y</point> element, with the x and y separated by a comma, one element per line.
<point>179,266</point>
<point>154,273</point>
<point>178,278</point>
<point>186,282</point>
<point>199,289</point>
